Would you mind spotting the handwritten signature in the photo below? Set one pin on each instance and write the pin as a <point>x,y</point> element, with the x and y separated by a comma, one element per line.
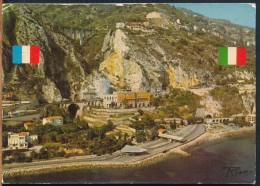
<point>236,171</point>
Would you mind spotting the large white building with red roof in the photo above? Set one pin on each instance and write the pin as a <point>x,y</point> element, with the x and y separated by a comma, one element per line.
<point>20,140</point>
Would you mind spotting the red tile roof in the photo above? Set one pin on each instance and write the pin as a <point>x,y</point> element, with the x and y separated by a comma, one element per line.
<point>161,130</point>
<point>29,123</point>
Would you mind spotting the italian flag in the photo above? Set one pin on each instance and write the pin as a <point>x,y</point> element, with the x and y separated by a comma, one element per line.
<point>232,55</point>
<point>25,54</point>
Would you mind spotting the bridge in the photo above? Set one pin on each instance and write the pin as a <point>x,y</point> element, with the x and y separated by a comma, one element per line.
<point>78,106</point>
<point>217,120</point>
<point>171,137</point>
<point>75,33</point>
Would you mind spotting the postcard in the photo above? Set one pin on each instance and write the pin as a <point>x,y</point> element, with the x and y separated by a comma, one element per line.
<point>128,93</point>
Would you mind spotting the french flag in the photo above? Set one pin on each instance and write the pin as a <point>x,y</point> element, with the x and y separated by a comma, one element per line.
<point>26,54</point>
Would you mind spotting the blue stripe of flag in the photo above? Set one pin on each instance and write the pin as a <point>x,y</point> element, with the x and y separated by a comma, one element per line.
<point>17,54</point>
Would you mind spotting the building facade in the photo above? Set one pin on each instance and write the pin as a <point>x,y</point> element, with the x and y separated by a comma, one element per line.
<point>20,140</point>
<point>54,120</point>
<point>196,28</point>
<point>135,99</point>
<point>135,25</point>
<point>108,99</point>
<point>251,118</point>
<point>90,94</point>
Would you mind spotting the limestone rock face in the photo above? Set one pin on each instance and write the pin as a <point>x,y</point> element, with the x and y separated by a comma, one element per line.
<point>97,81</point>
<point>249,102</point>
<point>60,63</point>
<point>50,91</point>
<point>141,61</point>
<point>244,75</point>
<point>212,107</point>
<point>153,15</point>
<point>132,64</point>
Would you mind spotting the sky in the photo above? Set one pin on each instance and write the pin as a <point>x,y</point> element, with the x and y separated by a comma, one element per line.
<point>242,14</point>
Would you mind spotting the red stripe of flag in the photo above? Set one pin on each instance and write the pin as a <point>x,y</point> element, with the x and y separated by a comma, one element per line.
<point>241,55</point>
<point>34,54</point>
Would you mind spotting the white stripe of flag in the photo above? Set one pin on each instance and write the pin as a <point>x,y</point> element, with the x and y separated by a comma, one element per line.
<point>25,54</point>
<point>232,55</point>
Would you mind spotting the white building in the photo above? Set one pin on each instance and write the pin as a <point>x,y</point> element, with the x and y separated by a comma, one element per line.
<point>251,118</point>
<point>108,99</point>
<point>249,43</point>
<point>196,28</point>
<point>20,140</point>
<point>33,137</point>
<point>187,27</point>
<point>54,120</point>
<point>120,25</point>
<point>178,21</point>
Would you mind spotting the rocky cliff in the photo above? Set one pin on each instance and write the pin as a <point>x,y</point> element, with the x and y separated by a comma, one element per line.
<point>142,61</point>
<point>60,62</point>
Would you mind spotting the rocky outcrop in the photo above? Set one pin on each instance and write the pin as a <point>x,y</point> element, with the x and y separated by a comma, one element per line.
<point>50,91</point>
<point>60,62</point>
<point>97,81</point>
<point>212,107</point>
<point>249,102</point>
<point>126,59</point>
<point>133,64</point>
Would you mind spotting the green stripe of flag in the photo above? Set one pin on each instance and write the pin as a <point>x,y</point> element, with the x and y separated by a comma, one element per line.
<point>223,55</point>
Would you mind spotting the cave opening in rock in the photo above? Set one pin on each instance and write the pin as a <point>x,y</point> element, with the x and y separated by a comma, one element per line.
<point>72,109</point>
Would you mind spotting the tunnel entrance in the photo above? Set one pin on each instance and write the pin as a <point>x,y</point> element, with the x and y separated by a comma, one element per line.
<point>72,109</point>
<point>208,116</point>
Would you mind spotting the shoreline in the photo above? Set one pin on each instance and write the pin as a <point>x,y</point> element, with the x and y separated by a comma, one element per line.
<point>181,150</point>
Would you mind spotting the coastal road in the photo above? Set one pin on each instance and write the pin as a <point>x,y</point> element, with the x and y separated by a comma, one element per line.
<point>154,147</point>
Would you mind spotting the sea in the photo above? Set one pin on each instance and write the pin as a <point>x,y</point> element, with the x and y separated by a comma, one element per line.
<point>226,160</point>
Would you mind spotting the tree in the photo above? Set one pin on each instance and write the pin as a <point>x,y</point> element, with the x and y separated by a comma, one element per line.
<point>140,136</point>
<point>44,153</point>
<point>154,134</point>
<point>148,121</point>
<point>34,155</point>
<point>113,104</point>
<point>125,136</point>
<point>173,125</point>
<point>16,154</point>
<point>124,103</point>
<point>140,111</point>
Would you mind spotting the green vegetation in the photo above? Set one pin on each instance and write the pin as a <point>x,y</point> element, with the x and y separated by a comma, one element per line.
<point>140,111</point>
<point>173,125</point>
<point>195,120</point>
<point>73,134</point>
<point>230,99</point>
<point>178,103</point>
<point>241,122</point>
<point>144,123</point>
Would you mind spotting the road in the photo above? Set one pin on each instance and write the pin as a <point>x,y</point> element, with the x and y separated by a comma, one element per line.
<point>27,117</point>
<point>154,147</point>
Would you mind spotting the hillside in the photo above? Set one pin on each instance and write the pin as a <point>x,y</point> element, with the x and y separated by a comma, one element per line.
<point>118,58</point>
